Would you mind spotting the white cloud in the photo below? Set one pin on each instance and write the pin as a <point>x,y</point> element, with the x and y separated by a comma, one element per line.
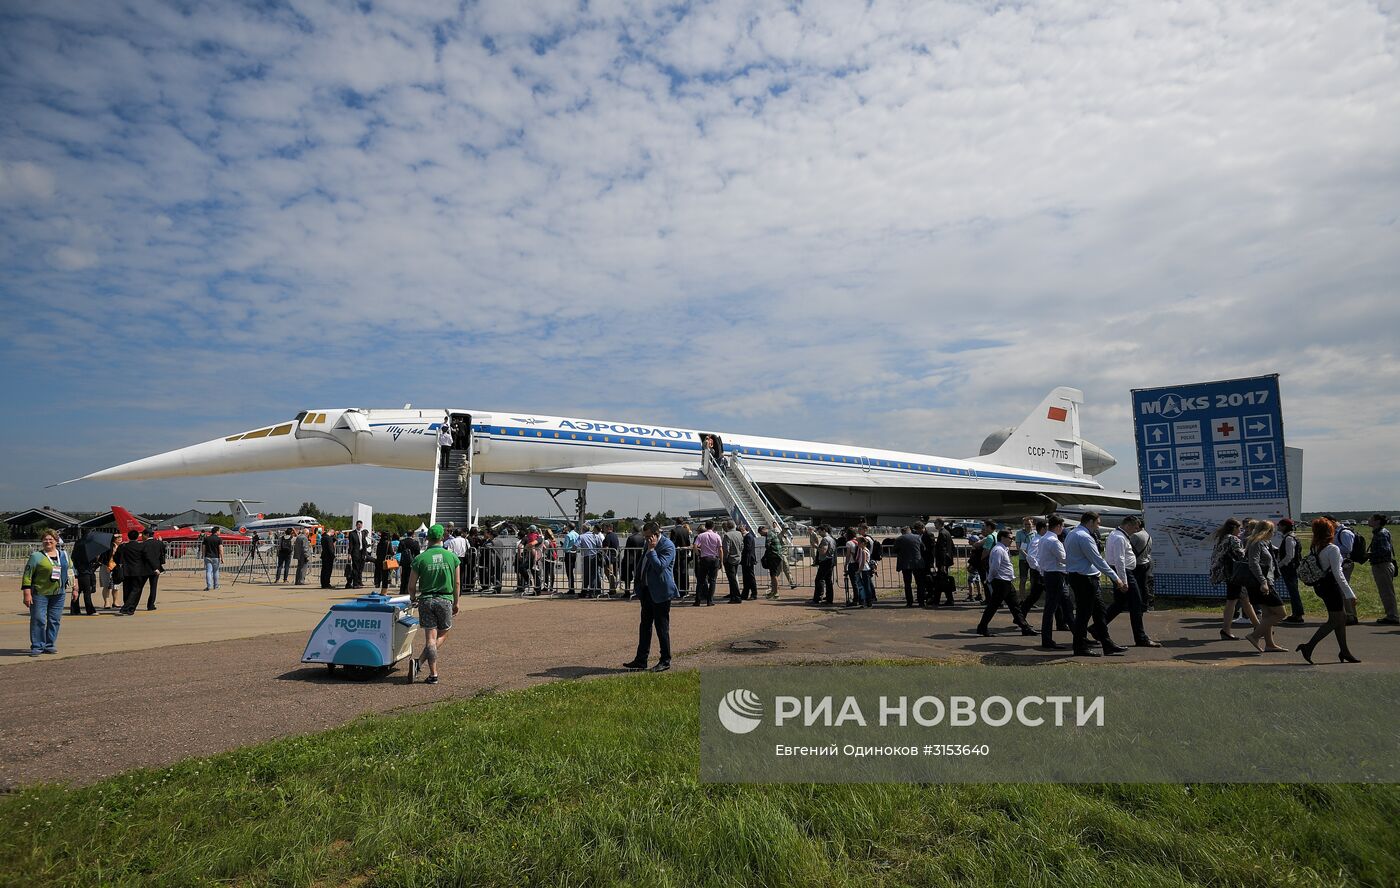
<point>25,181</point>
<point>72,258</point>
<point>816,206</point>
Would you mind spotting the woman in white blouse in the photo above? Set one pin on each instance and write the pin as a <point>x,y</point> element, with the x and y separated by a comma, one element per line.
<point>1333,589</point>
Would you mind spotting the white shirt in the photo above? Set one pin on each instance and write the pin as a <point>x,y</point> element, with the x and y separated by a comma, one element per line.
<point>444,435</point>
<point>1118,552</point>
<point>457,546</point>
<point>1050,553</point>
<point>999,567</point>
<point>1331,558</point>
<point>1030,551</point>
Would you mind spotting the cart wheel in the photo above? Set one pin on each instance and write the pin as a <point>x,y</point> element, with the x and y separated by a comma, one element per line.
<point>412,669</point>
<point>330,667</point>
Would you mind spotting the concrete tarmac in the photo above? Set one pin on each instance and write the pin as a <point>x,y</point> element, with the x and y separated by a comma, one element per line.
<point>186,614</point>
<point>208,673</point>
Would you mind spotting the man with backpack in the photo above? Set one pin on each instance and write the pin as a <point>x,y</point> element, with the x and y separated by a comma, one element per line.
<point>283,573</point>
<point>1290,552</point>
<point>1353,549</point>
<point>1346,542</point>
<point>1382,558</point>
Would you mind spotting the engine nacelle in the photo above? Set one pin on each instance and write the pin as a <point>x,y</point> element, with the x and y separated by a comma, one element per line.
<point>1096,459</point>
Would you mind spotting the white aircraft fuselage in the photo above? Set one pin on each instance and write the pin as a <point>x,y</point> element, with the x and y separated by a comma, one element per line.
<point>1042,464</point>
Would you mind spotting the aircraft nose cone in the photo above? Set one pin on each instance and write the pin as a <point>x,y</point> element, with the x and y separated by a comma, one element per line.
<point>268,452</point>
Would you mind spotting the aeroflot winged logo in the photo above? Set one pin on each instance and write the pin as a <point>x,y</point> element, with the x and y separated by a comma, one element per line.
<point>740,711</point>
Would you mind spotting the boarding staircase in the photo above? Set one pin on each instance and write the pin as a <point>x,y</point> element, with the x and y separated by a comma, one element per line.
<point>740,495</point>
<point>452,502</point>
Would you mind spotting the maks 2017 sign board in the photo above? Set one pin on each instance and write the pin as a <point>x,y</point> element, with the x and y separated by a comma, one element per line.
<point>1205,452</point>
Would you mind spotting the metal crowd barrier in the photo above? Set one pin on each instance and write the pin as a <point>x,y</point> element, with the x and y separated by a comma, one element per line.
<point>494,568</point>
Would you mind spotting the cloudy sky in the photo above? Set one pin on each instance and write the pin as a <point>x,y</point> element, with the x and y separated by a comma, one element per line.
<point>894,223</point>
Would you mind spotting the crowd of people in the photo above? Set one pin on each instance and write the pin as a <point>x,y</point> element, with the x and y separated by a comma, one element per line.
<point>1256,563</point>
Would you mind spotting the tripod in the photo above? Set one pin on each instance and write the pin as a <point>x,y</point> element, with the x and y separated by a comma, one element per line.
<point>253,561</point>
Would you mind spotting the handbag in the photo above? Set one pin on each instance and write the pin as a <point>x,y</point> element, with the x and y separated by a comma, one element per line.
<point>391,563</point>
<point>1241,575</point>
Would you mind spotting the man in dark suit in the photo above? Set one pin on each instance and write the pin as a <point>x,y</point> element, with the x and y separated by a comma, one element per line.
<point>680,537</point>
<point>357,554</point>
<point>633,549</point>
<point>327,558</point>
<point>929,541</point>
<point>655,586</point>
<point>909,561</point>
<point>155,558</point>
<point>944,553</point>
<point>135,567</point>
<point>409,549</point>
<point>748,562</point>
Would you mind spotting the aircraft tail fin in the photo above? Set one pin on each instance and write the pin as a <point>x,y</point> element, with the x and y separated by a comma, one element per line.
<point>241,515</point>
<point>1047,440</point>
<point>125,521</point>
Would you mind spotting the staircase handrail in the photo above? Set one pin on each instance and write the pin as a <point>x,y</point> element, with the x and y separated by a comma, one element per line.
<point>731,481</point>
<point>719,479</point>
<point>756,492</point>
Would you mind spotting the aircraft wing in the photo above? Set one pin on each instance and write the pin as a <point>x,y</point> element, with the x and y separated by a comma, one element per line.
<point>973,493</point>
<point>874,487</point>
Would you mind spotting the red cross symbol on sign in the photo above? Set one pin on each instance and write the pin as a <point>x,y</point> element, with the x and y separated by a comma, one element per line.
<point>1226,429</point>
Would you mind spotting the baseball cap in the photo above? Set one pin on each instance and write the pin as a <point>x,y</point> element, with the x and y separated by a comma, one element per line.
<point>435,532</point>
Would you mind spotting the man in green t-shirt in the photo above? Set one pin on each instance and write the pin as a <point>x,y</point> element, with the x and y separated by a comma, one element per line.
<point>436,586</point>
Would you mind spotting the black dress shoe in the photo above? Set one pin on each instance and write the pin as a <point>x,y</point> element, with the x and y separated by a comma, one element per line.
<point>1085,652</point>
<point>1052,646</point>
<point>634,665</point>
<point>1026,630</point>
<point>1111,648</point>
<point>662,666</point>
<point>1149,643</point>
<point>985,633</point>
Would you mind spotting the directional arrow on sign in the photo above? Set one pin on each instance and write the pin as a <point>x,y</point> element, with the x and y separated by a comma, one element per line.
<point>1156,434</point>
<point>1162,484</point>
<point>1263,481</point>
<point>1160,460</point>
<point>1260,453</point>
<point>1257,426</point>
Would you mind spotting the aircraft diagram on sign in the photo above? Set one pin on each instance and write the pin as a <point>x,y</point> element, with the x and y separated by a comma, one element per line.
<point>1036,466</point>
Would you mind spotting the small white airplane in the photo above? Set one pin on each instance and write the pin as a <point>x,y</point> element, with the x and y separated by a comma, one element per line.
<point>245,520</point>
<point>1036,467</point>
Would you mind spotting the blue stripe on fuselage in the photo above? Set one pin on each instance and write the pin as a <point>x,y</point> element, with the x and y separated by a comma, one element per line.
<point>641,444</point>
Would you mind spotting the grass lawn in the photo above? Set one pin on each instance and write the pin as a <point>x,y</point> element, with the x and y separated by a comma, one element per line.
<point>594,783</point>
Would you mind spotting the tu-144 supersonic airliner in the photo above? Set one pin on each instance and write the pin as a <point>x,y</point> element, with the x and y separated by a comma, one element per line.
<point>1034,467</point>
